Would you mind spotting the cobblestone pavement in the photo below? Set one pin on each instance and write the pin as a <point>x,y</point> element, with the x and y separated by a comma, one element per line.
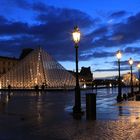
<point>47,116</point>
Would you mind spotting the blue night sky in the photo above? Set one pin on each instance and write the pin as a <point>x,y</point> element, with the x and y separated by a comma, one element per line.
<point>106,26</point>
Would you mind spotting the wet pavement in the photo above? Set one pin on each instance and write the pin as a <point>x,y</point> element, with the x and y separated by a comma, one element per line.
<point>47,116</point>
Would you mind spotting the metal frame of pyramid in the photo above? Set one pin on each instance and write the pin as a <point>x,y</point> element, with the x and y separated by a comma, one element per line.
<point>37,68</point>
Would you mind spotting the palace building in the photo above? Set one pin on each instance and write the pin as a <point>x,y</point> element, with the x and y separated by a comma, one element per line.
<point>6,63</point>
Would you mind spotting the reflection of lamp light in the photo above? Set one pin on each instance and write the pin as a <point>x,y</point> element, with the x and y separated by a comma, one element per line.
<point>131,63</point>
<point>7,98</point>
<point>76,39</point>
<point>119,97</point>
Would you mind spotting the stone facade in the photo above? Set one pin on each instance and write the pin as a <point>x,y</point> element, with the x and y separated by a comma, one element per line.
<point>6,63</point>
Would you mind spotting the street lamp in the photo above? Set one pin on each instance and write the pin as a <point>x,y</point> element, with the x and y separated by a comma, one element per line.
<point>119,97</point>
<point>131,63</point>
<point>77,106</point>
<point>138,66</point>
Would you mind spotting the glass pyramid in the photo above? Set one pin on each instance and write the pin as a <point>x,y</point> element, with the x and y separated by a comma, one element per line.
<point>37,68</point>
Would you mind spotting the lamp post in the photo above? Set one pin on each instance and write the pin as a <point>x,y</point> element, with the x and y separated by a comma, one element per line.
<point>77,106</point>
<point>119,97</point>
<point>131,63</point>
<point>138,66</point>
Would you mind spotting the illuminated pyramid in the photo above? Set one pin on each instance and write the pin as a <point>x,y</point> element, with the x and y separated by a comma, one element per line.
<point>37,68</point>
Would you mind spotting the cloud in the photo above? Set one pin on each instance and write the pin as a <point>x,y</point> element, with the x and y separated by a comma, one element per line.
<point>118,14</point>
<point>2,20</point>
<point>96,54</point>
<point>112,69</point>
<point>132,50</point>
<point>64,18</point>
<point>53,27</point>
<point>13,28</point>
<point>24,4</point>
<point>37,6</point>
<point>100,31</point>
<point>124,64</point>
<point>13,46</point>
<point>122,33</point>
<point>103,54</point>
<point>129,30</point>
<point>53,30</point>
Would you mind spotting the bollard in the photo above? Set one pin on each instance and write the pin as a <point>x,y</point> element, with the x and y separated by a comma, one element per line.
<point>91,106</point>
<point>137,97</point>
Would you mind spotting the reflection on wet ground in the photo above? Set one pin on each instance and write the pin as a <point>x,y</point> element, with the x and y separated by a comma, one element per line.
<point>47,115</point>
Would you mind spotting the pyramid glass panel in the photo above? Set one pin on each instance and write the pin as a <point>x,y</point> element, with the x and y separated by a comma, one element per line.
<point>37,68</point>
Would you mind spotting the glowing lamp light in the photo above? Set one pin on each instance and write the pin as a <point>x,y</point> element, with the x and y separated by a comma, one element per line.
<point>138,66</point>
<point>131,61</point>
<point>119,54</point>
<point>76,35</point>
<point>110,85</point>
<point>85,86</point>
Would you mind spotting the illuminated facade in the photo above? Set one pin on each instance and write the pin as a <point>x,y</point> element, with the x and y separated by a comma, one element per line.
<point>127,79</point>
<point>37,68</point>
<point>6,63</point>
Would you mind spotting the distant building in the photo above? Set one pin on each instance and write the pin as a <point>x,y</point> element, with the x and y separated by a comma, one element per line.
<point>6,63</point>
<point>127,78</point>
<point>85,75</point>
